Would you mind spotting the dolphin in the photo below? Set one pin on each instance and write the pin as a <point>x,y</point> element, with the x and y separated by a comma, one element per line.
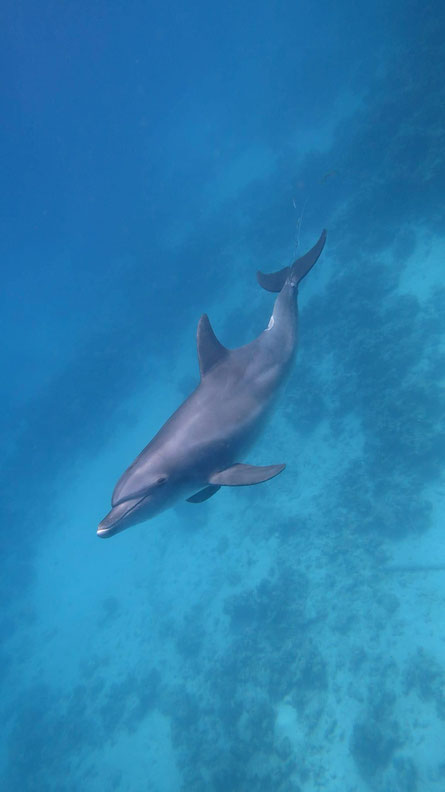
<point>197,450</point>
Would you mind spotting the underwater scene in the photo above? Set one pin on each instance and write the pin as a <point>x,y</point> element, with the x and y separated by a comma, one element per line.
<point>282,637</point>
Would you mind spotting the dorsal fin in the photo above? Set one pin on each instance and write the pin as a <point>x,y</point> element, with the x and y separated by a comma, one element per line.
<point>210,351</point>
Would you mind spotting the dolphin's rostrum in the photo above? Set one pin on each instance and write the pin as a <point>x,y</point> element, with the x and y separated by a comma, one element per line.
<point>197,450</point>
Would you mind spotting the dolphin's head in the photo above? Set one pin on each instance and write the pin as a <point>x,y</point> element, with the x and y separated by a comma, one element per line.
<point>132,511</point>
<point>144,490</point>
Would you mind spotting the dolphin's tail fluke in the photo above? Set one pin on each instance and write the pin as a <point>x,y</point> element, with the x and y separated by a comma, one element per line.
<point>274,281</point>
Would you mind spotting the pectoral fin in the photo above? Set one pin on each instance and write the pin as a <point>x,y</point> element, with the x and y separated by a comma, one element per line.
<point>204,494</point>
<point>239,475</point>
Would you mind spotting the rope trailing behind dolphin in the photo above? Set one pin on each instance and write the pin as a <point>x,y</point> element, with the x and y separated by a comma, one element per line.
<point>198,449</point>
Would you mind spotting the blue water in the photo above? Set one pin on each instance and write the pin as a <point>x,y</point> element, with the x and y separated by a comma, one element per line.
<point>283,638</point>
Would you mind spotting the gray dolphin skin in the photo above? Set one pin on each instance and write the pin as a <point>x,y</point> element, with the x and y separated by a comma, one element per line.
<point>197,450</point>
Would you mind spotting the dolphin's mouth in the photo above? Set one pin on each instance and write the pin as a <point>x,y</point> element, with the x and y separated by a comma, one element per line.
<point>115,521</point>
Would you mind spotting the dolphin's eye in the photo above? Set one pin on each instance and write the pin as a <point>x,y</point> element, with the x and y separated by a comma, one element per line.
<point>161,480</point>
